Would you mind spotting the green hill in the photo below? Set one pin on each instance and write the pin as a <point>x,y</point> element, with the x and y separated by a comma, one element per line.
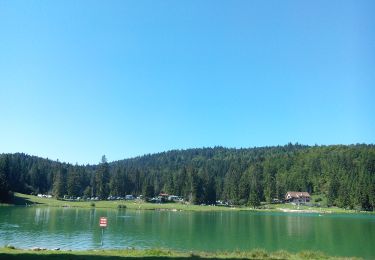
<point>344,174</point>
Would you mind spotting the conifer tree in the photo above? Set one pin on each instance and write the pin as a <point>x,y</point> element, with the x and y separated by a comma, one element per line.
<point>102,179</point>
<point>59,184</point>
<point>4,184</point>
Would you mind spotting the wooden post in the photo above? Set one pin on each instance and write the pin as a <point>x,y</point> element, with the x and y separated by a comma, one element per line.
<point>102,235</point>
<point>103,224</point>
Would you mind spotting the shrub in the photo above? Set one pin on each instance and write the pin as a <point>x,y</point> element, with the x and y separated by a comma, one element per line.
<point>121,206</point>
<point>92,204</point>
<point>318,199</point>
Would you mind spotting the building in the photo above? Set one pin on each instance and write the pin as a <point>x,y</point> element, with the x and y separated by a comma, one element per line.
<point>297,197</point>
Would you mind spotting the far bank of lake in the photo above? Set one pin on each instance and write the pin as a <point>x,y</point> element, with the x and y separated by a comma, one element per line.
<point>30,200</point>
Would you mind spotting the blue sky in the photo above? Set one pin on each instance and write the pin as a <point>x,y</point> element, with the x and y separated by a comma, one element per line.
<point>79,79</point>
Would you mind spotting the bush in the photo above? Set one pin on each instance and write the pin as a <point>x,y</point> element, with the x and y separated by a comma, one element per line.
<point>318,199</point>
<point>92,204</point>
<point>10,247</point>
<point>121,206</point>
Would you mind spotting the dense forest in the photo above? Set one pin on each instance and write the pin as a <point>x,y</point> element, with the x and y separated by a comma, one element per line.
<point>344,173</point>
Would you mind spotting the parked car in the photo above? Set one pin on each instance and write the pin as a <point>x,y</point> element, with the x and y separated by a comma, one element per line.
<point>129,197</point>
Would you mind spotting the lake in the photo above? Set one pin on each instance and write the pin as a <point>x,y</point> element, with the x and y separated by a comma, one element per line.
<point>72,228</point>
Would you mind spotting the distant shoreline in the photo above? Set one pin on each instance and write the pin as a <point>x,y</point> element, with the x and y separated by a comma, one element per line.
<point>30,200</point>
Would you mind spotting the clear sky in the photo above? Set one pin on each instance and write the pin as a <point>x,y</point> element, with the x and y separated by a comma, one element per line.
<point>79,79</point>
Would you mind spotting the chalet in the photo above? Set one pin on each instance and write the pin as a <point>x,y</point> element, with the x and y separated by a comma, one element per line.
<point>297,197</point>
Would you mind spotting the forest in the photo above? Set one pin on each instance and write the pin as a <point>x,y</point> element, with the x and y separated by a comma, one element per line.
<point>248,176</point>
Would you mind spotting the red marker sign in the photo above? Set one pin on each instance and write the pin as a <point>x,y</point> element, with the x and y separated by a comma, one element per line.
<point>103,222</point>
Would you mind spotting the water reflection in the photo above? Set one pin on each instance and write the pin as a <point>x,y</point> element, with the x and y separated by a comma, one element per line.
<point>72,228</point>
<point>41,216</point>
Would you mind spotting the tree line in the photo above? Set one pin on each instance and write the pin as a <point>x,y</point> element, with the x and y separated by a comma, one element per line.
<point>344,173</point>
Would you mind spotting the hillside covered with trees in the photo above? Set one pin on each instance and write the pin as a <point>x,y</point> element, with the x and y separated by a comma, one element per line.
<point>345,174</point>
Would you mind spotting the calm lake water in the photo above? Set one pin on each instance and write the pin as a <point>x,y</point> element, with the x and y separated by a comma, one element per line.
<point>69,228</point>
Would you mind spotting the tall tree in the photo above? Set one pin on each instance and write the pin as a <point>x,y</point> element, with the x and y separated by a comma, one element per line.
<point>73,186</point>
<point>102,179</point>
<point>255,185</point>
<point>4,184</point>
<point>232,183</point>
<point>115,183</point>
<point>333,190</point>
<point>209,191</point>
<point>59,184</point>
<point>269,181</point>
<point>148,191</point>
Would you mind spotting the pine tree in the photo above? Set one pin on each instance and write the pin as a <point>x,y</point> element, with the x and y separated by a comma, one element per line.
<point>269,182</point>
<point>244,187</point>
<point>333,189</point>
<point>73,185</point>
<point>115,183</point>
<point>4,183</point>
<point>169,185</point>
<point>148,191</point>
<point>255,184</point>
<point>232,182</point>
<point>59,184</point>
<point>102,179</point>
<point>35,178</point>
<point>254,200</point>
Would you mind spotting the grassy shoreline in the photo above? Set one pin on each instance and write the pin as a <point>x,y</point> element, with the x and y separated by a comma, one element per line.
<point>13,253</point>
<point>30,200</point>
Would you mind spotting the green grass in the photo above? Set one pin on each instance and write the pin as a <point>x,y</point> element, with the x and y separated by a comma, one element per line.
<point>23,200</point>
<point>8,253</point>
<point>323,198</point>
<point>322,209</point>
<point>314,209</point>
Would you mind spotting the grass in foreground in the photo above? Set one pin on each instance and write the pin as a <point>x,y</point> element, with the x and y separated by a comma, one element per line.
<point>10,253</point>
<point>23,200</point>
